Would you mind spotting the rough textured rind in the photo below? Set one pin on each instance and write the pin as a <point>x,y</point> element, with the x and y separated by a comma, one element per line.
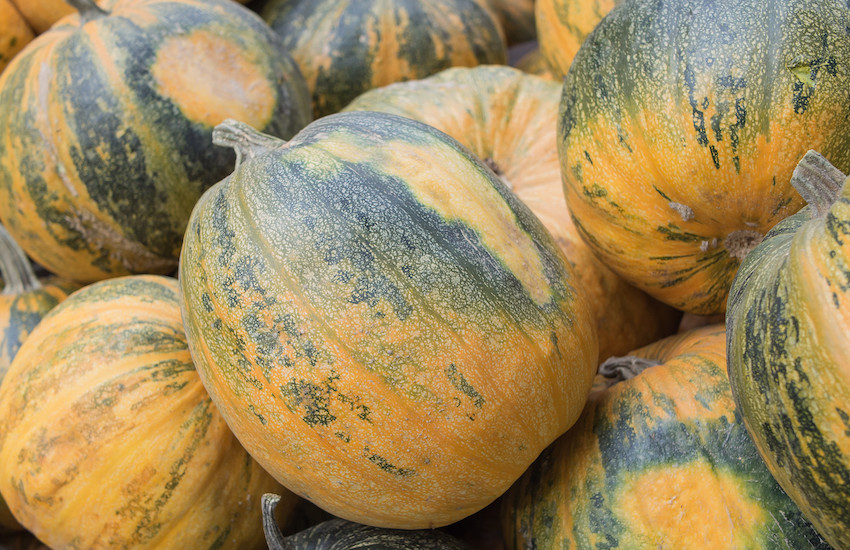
<point>108,438</point>
<point>509,118</point>
<point>346,47</point>
<point>387,329</point>
<point>106,141</point>
<point>789,351</point>
<point>662,460</point>
<point>681,123</point>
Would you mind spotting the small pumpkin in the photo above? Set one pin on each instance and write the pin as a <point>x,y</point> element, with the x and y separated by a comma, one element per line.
<point>339,534</point>
<point>106,123</point>
<point>680,125</point>
<point>660,458</point>
<point>15,33</point>
<point>563,25</point>
<point>788,343</point>
<point>346,47</point>
<point>374,313</point>
<point>109,439</point>
<point>508,118</point>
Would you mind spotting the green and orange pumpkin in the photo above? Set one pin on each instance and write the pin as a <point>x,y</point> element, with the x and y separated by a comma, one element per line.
<point>508,119</point>
<point>788,328</point>
<point>15,33</point>
<point>388,330</point>
<point>346,47</point>
<point>106,123</point>
<point>680,125</point>
<point>660,459</point>
<point>108,438</point>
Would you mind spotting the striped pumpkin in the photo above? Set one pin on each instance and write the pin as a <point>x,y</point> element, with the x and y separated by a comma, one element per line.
<point>659,460</point>
<point>376,314</point>
<point>346,47</point>
<point>681,123</point>
<point>15,33</point>
<point>106,123</point>
<point>563,25</point>
<point>789,347</point>
<point>108,438</point>
<point>508,118</point>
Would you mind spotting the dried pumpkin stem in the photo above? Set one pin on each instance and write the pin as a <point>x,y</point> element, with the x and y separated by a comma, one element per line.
<point>623,368</point>
<point>739,243</point>
<point>89,11</point>
<point>244,139</point>
<point>15,267</point>
<point>818,182</point>
<point>274,538</point>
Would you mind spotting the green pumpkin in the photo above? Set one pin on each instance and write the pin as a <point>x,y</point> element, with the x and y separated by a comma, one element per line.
<point>346,47</point>
<point>374,312</point>
<point>106,127</point>
<point>788,328</point>
<point>681,123</point>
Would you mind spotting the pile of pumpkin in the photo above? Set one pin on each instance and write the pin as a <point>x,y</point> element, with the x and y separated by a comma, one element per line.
<point>331,272</point>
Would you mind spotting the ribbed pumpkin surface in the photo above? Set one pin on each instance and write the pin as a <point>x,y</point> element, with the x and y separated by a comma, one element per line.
<point>681,123</point>
<point>508,118</point>
<point>345,47</point>
<point>387,329</point>
<point>789,359</point>
<point>15,33</point>
<point>108,438</point>
<point>106,128</point>
<point>563,25</point>
<point>661,460</point>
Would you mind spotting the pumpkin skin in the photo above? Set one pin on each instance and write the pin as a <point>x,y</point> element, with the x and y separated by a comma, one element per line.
<point>675,166</point>
<point>14,32</point>
<point>95,185</point>
<point>346,47</point>
<point>661,460</point>
<point>359,299</point>
<point>509,118</point>
<point>788,345</point>
<point>563,25</point>
<point>534,63</point>
<point>109,439</point>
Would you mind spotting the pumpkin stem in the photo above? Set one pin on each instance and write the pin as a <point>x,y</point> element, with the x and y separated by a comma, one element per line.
<point>818,182</point>
<point>491,164</point>
<point>15,267</point>
<point>739,243</point>
<point>248,142</point>
<point>274,538</point>
<point>89,11</point>
<point>626,367</point>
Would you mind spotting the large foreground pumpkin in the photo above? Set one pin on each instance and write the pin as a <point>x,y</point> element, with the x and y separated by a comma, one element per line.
<point>660,460</point>
<point>346,47</point>
<point>386,328</point>
<point>106,123</point>
<point>789,349</point>
<point>108,439</point>
<point>508,119</point>
<point>681,123</point>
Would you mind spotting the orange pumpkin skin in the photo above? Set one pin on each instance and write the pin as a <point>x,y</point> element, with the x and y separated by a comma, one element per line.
<point>41,14</point>
<point>508,118</point>
<point>675,166</point>
<point>15,33</point>
<point>106,123</point>
<point>562,26</point>
<point>108,439</point>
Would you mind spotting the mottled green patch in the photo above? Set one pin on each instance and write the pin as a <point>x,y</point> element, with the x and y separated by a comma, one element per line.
<point>462,385</point>
<point>385,465</point>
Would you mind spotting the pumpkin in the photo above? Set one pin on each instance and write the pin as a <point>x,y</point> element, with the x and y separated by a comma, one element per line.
<point>659,459</point>
<point>14,32</point>
<point>563,25</point>
<point>508,118</point>
<point>345,47</point>
<point>108,437</point>
<point>680,124</point>
<point>387,329</point>
<point>338,534</point>
<point>788,345</point>
<point>516,18</point>
<point>106,123</point>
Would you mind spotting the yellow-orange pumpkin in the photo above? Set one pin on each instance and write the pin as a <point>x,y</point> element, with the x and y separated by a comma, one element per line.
<point>15,33</point>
